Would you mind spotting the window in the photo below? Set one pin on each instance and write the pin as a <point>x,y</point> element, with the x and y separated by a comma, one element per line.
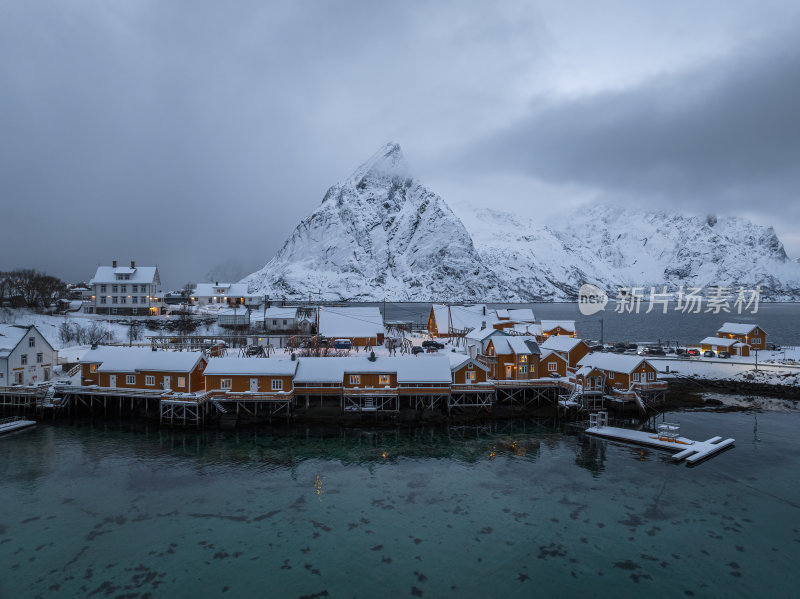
<point>130,379</point>
<point>103,300</point>
<point>102,288</point>
<point>635,377</point>
<point>123,299</point>
<point>274,323</point>
<point>24,359</point>
<point>122,288</point>
<point>523,359</point>
<point>523,369</point>
<point>113,299</point>
<point>651,376</point>
<point>31,341</point>
<point>470,366</point>
<point>383,379</point>
<point>39,358</point>
<point>355,379</point>
<point>150,380</point>
<point>143,299</point>
<point>755,340</point>
<point>135,288</point>
<point>134,300</point>
<point>113,310</point>
<point>552,366</point>
<point>469,377</point>
<point>92,367</point>
<point>226,384</point>
<point>610,375</point>
<point>277,384</point>
<point>285,322</point>
<point>181,381</point>
<point>114,289</point>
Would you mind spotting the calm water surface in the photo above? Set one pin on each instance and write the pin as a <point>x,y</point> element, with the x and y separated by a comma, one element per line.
<point>507,510</point>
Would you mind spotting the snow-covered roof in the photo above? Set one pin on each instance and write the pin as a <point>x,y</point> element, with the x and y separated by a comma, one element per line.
<point>276,313</point>
<point>417,369</point>
<point>567,325</point>
<point>10,336</point>
<point>502,314</point>
<point>483,334</point>
<point>459,360</point>
<point>516,344</point>
<point>141,274</point>
<point>363,321</point>
<point>136,359</point>
<point>561,343</point>
<point>736,328</point>
<point>720,341</point>
<point>252,366</point>
<point>585,370</point>
<point>521,314</point>
<point>221,290</point>
<point>548,352</point>
<point>462,317</point>
<point>612,362</point>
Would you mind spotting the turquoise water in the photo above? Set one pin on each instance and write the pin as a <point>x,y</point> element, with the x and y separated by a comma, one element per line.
<point>506,510</point>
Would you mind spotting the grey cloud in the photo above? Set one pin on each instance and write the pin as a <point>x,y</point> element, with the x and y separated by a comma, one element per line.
<point>723,136</point>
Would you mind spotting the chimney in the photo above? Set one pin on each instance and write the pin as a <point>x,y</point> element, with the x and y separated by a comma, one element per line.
<point>133,264</point>
<point>113,264</point>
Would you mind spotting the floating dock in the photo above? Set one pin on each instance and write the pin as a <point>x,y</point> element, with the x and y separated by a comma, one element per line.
<point>14,423</point>
<point>668,437</point>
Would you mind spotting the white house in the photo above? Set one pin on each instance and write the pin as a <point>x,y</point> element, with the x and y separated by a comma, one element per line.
<point>276,319</point>
<point>363,325</point>
<point>26,357</point>
<point>126,290</point>
<point>205,294</point>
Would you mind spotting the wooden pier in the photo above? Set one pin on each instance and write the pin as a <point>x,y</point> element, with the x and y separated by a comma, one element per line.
<point>668,438</point>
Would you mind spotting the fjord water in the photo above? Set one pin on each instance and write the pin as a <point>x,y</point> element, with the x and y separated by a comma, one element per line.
<point>510,509</point>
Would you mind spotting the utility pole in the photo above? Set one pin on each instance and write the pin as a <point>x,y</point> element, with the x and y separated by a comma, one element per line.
<point>601,332</point>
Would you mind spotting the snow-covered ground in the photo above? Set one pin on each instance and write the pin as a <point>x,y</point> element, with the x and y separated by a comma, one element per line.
<point>769,404</point>
<point>770,368</point>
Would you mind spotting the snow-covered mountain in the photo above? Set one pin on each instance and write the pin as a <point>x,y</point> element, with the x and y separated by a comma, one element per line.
<point>379,233</point>
<point>612,247</point>
<point>382,234</point>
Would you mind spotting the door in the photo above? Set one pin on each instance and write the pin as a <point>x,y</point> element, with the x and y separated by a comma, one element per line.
<point>167,383</point>
<point>112,380</point>
<point>509,371</point>
<point>254,385</point>
<point>17,378</point>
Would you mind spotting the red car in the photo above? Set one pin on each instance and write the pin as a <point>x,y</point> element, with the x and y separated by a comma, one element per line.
<point>693,352</point>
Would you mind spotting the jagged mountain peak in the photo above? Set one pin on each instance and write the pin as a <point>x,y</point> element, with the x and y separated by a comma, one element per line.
<point>387,164</point>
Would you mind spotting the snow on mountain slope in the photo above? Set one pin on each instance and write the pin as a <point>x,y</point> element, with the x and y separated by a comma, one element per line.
<point>612,247</point>
<point>380,233</point>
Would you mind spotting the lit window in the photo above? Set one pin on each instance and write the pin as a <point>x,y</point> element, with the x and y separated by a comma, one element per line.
<point>181,381</point>
<point>130,379</point>
<point>150,380</point>
<point>523,359</point>
<point>226,384</point>
<point>469,377</point>
<point>277,384</point>
<point>383,379</point>
<point>92,367</point>
<point>523,369</point>
<point>355,379</point>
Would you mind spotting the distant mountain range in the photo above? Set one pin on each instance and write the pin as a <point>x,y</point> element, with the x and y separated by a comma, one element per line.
<point>381,234</point>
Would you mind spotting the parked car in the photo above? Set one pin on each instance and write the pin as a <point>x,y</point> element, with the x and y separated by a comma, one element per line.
<point>555,375</point>
<point>253,350</point>
<point>431,343</point>
<point>417,350</point>
<point>723,354</point>
<point>342,344</point>
<point>657,352</point>
<point>708,353</point>
<point>692,352</point>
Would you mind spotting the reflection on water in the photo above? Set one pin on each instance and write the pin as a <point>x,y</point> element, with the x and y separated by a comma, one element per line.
<point>510,508</point>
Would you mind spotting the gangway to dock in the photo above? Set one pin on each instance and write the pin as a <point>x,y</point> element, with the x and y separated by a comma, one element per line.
<point>668,438</point>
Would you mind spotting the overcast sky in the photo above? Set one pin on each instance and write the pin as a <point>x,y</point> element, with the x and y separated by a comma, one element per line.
<point>195,134</point>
